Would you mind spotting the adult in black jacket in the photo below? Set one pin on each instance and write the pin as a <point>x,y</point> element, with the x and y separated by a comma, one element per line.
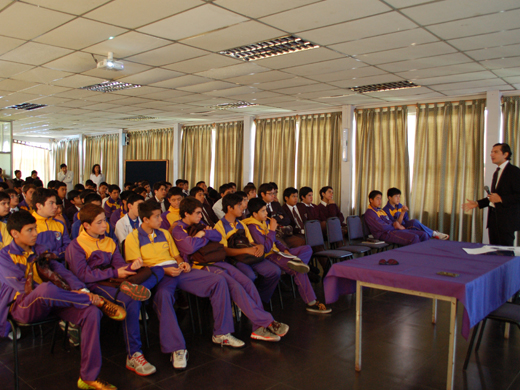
<point>504,201</point>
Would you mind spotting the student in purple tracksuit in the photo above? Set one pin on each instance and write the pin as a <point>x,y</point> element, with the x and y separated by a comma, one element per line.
<point>77,306</point>
<point>76,228</point>
<point>381,227</point>
<point>266,235</point>
<point>242,289</point>
<point>113,202</point>
<point>94,258</point>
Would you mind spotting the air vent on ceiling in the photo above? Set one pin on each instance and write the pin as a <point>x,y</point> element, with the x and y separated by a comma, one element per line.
<point>139,118</point>
<point>110,86</point>
<point>230,106</point>
<point>385,87</point>
<point>274,47</point>
<point>27,106</point>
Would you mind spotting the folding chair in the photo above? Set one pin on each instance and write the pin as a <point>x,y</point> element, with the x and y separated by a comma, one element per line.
<point>336,240</point>
<point>356,234</point>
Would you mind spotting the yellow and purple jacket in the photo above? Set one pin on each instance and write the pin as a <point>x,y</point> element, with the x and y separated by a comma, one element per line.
<point>227,229</point>
<point>264,236</point>
<point>169,218</point>
<point>154,248</point>
<point>52,234</point>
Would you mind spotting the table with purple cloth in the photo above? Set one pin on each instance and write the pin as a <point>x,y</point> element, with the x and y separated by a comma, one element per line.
<point>485,282</point>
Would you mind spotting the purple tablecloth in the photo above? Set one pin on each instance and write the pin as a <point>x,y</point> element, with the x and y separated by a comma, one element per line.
<point>485,283</point>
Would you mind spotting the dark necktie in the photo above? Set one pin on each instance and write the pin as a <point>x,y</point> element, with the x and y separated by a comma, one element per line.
<point>494,182</point>
<point>297,218</point>
<point>207,219</point>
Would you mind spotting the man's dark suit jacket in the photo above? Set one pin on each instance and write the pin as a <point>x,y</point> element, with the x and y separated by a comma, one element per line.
<point>212,216</point>
<point>302,210</point>
<point>279,211</point>
<point>507,211</point>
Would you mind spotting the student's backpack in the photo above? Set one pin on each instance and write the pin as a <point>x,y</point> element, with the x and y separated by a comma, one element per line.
<point>212,252</point>
<point>239,240</point>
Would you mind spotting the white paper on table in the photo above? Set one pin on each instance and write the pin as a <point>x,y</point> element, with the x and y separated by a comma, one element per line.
<point>492,248</point>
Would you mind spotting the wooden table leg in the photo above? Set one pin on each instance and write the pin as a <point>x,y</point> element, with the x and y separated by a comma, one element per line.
<point>434,311</point>
<point>452,345</point>
<point>359,313</point>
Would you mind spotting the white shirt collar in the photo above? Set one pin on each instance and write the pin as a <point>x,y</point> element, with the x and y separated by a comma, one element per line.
<point>503,165</point>
<point>323,203</point>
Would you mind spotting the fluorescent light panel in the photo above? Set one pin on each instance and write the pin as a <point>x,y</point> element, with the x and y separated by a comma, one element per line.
<point>110,86</point>
<point>384,87</point>
<point>27,106</point>
<point>230,106</point>
<point>139,118</point>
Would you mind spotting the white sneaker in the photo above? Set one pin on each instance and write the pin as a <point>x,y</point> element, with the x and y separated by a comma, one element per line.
<point>228,340</point>
<point>138,364</point>
<point>298,266</point>
<point>18,334</point>
<point>180,359</point>
<point>440,236</point>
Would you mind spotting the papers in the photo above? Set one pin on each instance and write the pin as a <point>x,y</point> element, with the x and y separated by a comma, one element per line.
<point>167,263</point>
<point>492,248</point>
<point>286,255</point>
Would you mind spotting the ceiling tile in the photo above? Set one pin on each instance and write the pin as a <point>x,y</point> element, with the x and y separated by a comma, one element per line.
<point>387,78</point>
<point>201,64</point>
<point>7,44</point>
<point>41,75</point>
<point>472,91</point>
<point>405,3</point>
<point>76,62</point>
<point>151,76</point>
<point>165,94</point>
<point>324,67</point>
<point>193,22</point>
<point>127,44</point>
<point>467,84</point>
<point>323,93</point>
<point>132,13</point>
<point>487,40</point>
<point>455,78</point>
<point>299,58</point>
<point>266,7</point>
<point>182,81</point>
<point>500,63</point>
<point>250,91</point>
<point>137,91</point>
<point>348,74</point>
<point>76,7</point>
<point>207,87</point>
<point>390,22</point>
<point>323,14</point>
<point>305,88</point>
<point>35,53</point>
<point>287,83</point>
<point>80,33</point>
<point>130,68</point>
<point>442,70</point>
<point>495,52</point>
<point>168,55</point>
<point>78,81</point>
<point>233,71</point>
<point>507,72</point>
<point>75,103</point>
<point>251,79</point>
<point>43,89</point>
<point>27,21</point>
<point>421,63</point>
<point>407,53</point>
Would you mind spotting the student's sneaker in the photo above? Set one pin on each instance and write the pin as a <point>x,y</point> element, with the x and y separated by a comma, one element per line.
<point>138,364</point>
<point>135,291</point>
<point>72,333</point>
<point>111,310</point>
<point>180,359</point>
<point>278,328</point>
<point>298,266</point>
<point>228,340</point>
<point>265,334</point>
<point>18,334</point>
<point>318,308</point>
<point>440,236</point>
<point>98,384</point>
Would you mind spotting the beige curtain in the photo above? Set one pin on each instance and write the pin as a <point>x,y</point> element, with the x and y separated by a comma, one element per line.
<point>103,150</point>
<point>72,158</point>
<point>152,145</point>
<point>511,125</point>
<point>449,167</point>
<point>28,158</point>
<point>275,151</point>
<point>381,153</point>
<point>229,153</point>
<point>319,153</point>
<point>195,164</point>
<point>59,152</point>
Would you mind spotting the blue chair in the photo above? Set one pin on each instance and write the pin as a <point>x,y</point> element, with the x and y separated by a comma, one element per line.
<point>356,234</point>
<point>336,240</point>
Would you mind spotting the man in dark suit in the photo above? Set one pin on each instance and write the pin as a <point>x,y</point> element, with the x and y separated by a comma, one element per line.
<point>504,200</point>
<point>296,212</point>
<point>208,215</point>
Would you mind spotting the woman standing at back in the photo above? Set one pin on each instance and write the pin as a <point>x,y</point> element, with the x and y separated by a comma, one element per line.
<point>96,176</point>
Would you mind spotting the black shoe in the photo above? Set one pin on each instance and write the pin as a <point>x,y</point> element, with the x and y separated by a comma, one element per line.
<point>313,278</point>
<point>314,270</point>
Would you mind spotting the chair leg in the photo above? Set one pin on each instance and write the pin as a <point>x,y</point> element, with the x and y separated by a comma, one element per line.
<point>191,313</point>
<point>292,286</point>
<point>198,314</point>
<point>66,337</point>
<point>481,333</point>
<point>470,348</point>
<point>280,294</point>
<point>53,342</point>
<point>145,324</point>
<point>15,351</point>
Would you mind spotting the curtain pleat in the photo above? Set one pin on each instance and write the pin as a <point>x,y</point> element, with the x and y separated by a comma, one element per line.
<point>381,153</point>
<point>28,158</point>
<point>103,150</point>
<point>229,153</point>
<point>449,167</point>
<point>319,153</point>
<point>66,152</point>
<point>275,152</point>
<point>195,164</point>
<point>59,152</point>
<point>511,125</point>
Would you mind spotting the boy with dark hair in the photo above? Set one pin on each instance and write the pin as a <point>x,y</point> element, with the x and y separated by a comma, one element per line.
<point>296,211</point>
<point>295,265</point>
<point>156,247</point>
<point>79,187</point>
<point>186,188</point>
<point>380,225</point>
<point>140,191</point>
<point>78,306</point>
<point>242,289</point>
<point>250,190</point>
<point>28,203</point>
<point>5,237</point>
<point>172,215</point>
<point>233,187</point>
<point>95,259</point>
<point>148,189</point>
<point>275,191</point>
<point>113,202</point>
<point>227,227</point>
<point>223,190</point>
<point>61,189</point>
<point>159,191</point>
<point>76,204</point>
<point>208,215</point>
<point>398,214</point>
<point>245,211</point>
<point>120,213</point>
<point>128,186</point>
<point>307,199</point>
<point>76,229</point>
<point>103,191</point>
<point>131,220</point>
<point>13,201</point>
<point>52,233</point>
<point>18,177</point>
<point>90,185</point>
<point>328,207</point>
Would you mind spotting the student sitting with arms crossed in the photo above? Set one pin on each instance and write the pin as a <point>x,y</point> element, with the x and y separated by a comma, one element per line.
<point>95,259</point>
<point>398,213</point>
<point>171,216</point>
<point>266,236</point>
<point>131,220</point>
<point>34,300</point>
<point>242,289</point>
<point>156,248</point>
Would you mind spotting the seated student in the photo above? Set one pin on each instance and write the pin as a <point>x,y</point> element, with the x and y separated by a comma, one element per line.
<point>172,214</point>
<point>76,204</point>
<point>186,188</point>
<point>59,214</point>
<point>18,188</point>
<point>103,192</point>
<point>208,200</point>
<point>224,189</point>
<point>242,289</point>
<point>266,236</point>
<point>327,207</point>
<point>78,306</point>
<point>156,248</point>
<point>95,259</point>
<point>61,189</point>
<point>159,191</point>
<point>381,227</point>
<point>28,204</point>
<point>120,213</point>
<point>398,214</point>
<point>52,234</point>
<point>130,221</point>
<point>245,211</point>
<point>213,196</point>
<point>275,191</point>
<point>14,200</point>
<point>82,196</point>
<point>5,237</point>
<point>90,185</point>
<point>112,203</point>
<point>148,189</point>
<point>250,191</point>
<point>180,184</point>
<point>233,187</point>
<point>296,211</point>
<point>269,273</point>
<point>128,186</point>
<point>77,227</point>
<point>141,191</point>
<point>79,187</point>
<point>306,199</point>
<point>208,215</point>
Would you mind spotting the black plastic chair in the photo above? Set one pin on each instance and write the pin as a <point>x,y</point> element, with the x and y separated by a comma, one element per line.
<point>356,234</point>
<point>336,239</point>
<point>508,312</point>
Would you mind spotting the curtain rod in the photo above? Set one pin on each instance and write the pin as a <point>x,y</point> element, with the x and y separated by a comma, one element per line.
<point>16,141</point>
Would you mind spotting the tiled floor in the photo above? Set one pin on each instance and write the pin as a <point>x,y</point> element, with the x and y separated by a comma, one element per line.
<point>401,350</point>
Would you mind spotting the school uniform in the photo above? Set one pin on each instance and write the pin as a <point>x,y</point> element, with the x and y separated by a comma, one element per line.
<point>52,234</point>
<point>159,247</point>
<point>269,272</point>
<point>111,206</point>
<point>125,226</point>
<point>311,211</point>
<point>208,215</point>
<point>217,209</point>
<point>77,228</point>
<point>381,228</point>
<point>116,216</point>
<point>161,202</point>
<point>267,238</point>
<point>330,210</point>
<point>23,205</point>
<point>243,291</point>
<point>5,237</point>
<point>70,212</point>
<point>96,259</point>
<point>395,212</point>
<point>46,299</point>
<point>169,218</point>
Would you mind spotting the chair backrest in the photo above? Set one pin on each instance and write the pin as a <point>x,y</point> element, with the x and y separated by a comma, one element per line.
<point>334,232</point>
<point>366,230</point>
<point>313,234</point>
<point>355,228</point>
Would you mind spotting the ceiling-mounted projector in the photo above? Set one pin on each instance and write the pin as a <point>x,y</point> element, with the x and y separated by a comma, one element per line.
<point>110,64</point>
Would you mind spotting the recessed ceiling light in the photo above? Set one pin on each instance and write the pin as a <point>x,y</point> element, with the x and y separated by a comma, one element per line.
<point>385,87</point>
<point>110,38</point>
<point>110,86</point>
<point>27,106</point>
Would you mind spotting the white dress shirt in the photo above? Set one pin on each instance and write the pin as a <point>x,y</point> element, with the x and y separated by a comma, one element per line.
<point>217,208</point>
<point>124,228</point>
<point>67,178</point>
